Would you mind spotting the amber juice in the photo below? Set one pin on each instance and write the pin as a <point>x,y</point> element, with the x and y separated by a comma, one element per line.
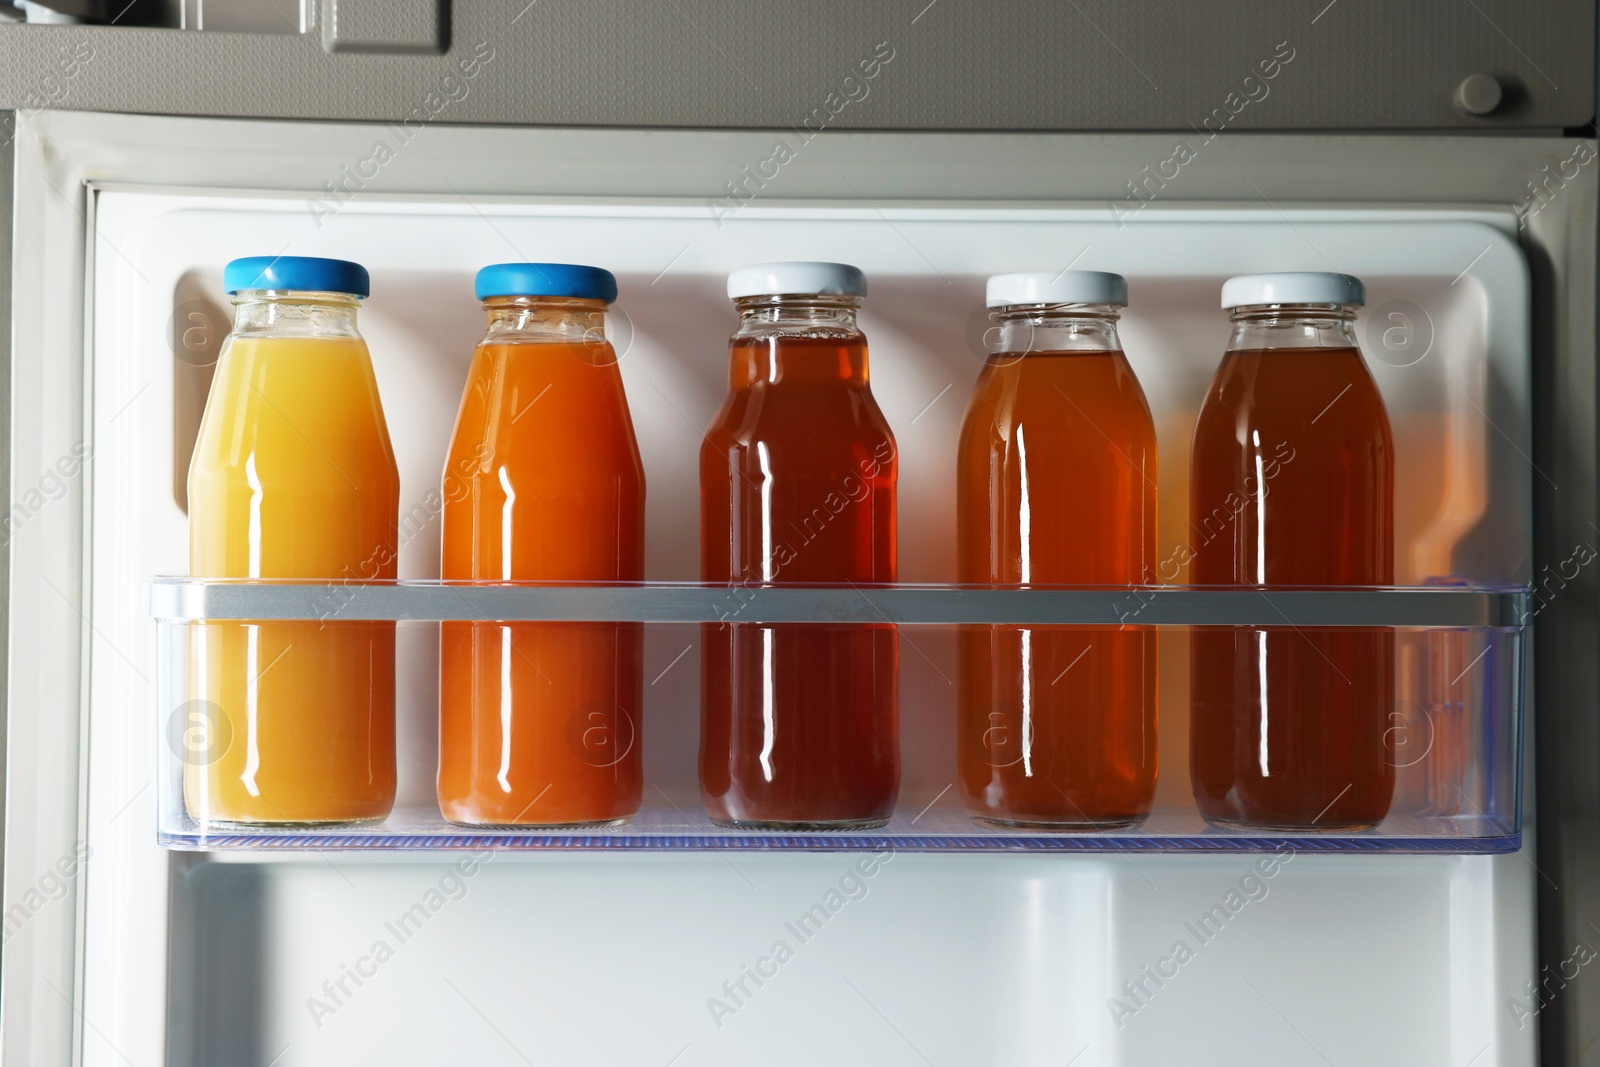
<point>1293,485</point>
<point>799,725</point>
<point>1056,486</point>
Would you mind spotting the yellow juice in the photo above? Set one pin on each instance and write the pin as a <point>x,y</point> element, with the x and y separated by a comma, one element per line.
<point>293,477</point>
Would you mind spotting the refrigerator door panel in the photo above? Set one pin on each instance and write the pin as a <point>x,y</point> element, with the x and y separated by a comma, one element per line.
<point>722,961</point>
<point>46,846</point>
<point>204,959</point>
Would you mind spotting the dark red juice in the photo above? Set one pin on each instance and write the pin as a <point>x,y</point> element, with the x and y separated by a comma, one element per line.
<point>1292,485</point>
<point>797,485</point>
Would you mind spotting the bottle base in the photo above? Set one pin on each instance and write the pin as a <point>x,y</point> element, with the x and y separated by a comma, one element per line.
<point>277,824</point>
<point>801,826</point>
<point>578,824</point>
<point>1060,826</point>
<point>1285,827</point>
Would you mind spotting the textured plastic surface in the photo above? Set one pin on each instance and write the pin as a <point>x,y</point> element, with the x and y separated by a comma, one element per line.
<point>812,65</point>
<point>394,26</point>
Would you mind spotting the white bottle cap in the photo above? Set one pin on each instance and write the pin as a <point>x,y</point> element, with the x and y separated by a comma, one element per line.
<point>797,279</point>
<point>1299,287</point>
<point>1057,287</point>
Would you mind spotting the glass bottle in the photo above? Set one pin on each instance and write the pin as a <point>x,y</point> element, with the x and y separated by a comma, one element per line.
<point>1056,485</point>
<point>1292,485</point>
<point>539,723</point>
<point>799,725</point>
<point>292,477</point>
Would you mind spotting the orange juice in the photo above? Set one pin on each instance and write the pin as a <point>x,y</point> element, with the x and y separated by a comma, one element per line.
<point>293,477</point>
<point>539,722</point>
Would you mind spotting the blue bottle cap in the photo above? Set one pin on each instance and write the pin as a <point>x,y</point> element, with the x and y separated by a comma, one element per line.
<point>304,273</point>
<point>546,279</point>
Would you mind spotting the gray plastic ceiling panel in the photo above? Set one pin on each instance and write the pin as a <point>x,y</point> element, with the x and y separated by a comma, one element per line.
<point>892,64</point>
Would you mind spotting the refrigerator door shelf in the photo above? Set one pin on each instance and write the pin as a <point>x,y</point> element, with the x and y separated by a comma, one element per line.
<point>1452,736</point>
<point>190,599</point>
<point>677,829</point>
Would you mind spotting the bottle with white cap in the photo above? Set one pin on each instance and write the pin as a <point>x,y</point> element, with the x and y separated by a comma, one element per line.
<point>1292,484</point>
<point>799,723</point>
<point>1056,485</point>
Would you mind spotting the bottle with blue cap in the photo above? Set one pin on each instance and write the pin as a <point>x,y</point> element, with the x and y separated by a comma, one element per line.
<point>1292,484</point>
<point>293,477</point>
<point>798,473</point>
<point>539,723</point>
<point>1056,485</point>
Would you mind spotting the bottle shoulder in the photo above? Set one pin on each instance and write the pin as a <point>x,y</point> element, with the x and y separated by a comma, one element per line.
<point>1058,396</point>
<point>279,399</point>
<point>1312,394</point>
<point>798,410</point>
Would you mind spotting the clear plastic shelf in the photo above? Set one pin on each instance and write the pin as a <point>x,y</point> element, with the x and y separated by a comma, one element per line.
<point>945,829</point>
<point>1454,736</point>
<point>189,599</point>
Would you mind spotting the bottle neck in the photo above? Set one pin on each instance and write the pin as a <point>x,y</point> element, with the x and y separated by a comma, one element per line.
<point>795,339</point>
<point>285,313</point>
<point>544,320</point>
<point>1293,326</point>
<point>1024,328</point>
